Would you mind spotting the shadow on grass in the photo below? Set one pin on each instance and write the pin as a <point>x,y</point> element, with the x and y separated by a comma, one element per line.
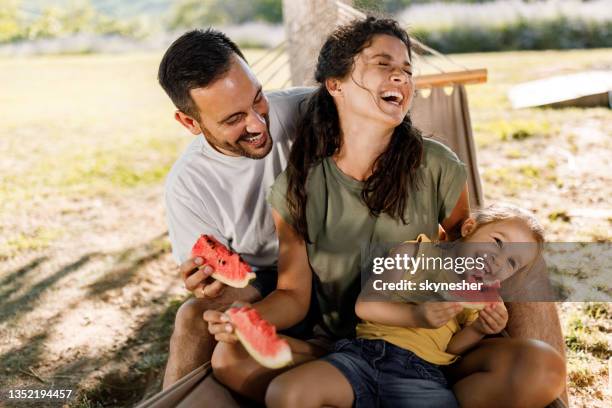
<point>27,302</point>
<point>135,371</point>
<point>23,357</point>
<point>128,264</point>
<point>13,280</point>
<point>122,377</point>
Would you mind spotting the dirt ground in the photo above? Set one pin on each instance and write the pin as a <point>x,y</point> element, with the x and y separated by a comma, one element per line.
<point>88,288</point>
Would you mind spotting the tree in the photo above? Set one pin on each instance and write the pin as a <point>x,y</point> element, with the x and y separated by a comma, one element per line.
<point>10,23</point>
<point>198,13</point>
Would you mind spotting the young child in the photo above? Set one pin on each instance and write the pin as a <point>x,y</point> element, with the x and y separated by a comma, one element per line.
<point>401,347</point>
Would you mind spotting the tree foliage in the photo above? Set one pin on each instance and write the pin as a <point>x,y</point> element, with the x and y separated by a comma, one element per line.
<point>197,13</point>
<point>10,27</point>
<point>53,21</point>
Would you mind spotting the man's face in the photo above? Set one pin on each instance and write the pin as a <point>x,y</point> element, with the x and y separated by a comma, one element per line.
<point>234,113</point>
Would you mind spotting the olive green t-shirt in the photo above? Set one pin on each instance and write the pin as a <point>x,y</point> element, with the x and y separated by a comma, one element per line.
<point>339,224</point>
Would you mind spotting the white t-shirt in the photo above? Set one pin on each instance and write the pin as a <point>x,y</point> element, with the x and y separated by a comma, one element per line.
<point>208,192</point>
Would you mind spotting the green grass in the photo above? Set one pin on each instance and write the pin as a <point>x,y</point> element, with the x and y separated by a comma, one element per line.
<point>518,129</point>
<point>41,238</point>
<point>84,125</point>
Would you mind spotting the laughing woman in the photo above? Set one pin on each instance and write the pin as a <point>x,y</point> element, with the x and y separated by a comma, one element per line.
<point>359,173</point>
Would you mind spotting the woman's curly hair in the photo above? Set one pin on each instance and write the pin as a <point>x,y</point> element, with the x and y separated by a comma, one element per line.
<point>319,135</point>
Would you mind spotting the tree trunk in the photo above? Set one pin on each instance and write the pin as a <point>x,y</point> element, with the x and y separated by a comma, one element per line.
<point>307,24</point>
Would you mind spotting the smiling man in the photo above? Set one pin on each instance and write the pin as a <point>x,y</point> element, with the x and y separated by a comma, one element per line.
<point>219,184</point>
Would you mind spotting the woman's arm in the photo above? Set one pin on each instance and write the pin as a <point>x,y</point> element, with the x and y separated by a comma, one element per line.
<point>461,211</point>
<point>289,303</point>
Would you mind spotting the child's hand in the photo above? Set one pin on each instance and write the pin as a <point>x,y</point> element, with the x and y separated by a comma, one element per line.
<point>432,315</point>
<point>492,319</point>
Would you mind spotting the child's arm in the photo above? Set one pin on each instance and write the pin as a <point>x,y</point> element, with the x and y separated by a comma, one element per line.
<point>491,320</point>
<point>428,315</point>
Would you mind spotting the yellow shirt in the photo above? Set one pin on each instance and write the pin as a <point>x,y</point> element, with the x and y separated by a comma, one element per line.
<point>428,344</point>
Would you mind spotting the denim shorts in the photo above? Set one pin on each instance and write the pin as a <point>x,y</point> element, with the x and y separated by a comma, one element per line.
<point>384,375</point>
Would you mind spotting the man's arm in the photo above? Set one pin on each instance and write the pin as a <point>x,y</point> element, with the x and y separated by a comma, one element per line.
<point>185,225</point>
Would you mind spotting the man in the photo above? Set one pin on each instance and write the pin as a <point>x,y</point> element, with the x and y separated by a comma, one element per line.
<point>219,184</point>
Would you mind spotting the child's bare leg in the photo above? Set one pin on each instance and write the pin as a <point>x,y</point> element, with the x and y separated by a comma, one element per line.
<point>506,372</point>
<point>236,369</point>
<point>314,384</point>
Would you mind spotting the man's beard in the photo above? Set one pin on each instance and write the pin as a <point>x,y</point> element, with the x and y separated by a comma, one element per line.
<point>241,147</point>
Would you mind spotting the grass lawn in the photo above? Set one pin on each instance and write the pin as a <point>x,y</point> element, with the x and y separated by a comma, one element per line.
<point>88,289</point>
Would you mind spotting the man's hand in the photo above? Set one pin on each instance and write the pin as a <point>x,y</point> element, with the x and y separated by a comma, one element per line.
<point>196,277</point>
<point>492,319</point>
<point>432,315</point>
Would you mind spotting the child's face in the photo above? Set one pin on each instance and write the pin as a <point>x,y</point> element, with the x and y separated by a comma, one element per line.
<point>509,246</point>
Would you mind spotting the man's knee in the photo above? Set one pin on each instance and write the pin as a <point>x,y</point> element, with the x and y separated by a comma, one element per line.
<point>538,374</point>
<point>189,317</point>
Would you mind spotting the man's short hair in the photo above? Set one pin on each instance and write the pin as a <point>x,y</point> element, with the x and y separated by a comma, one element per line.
<point>195,60</point>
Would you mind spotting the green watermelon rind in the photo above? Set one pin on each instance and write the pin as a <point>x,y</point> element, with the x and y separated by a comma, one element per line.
<point>282,359</point>
<point>474,305</point>
<point>456,296</point>
<point>242,283</point>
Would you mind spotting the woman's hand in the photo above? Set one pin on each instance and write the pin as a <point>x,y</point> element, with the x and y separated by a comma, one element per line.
<point>220,326</point>
<point>431,315</point>
<point>492,319</point>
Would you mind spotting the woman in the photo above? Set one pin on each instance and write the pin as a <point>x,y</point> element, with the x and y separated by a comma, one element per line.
<point>359,173</point>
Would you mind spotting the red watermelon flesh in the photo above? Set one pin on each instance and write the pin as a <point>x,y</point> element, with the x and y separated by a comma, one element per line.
<point>259,338</point>
<point>228,267</point>
<point>477,299</point>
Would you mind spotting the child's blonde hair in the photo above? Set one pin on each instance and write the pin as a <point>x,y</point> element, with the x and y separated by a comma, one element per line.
<point>504,211</point>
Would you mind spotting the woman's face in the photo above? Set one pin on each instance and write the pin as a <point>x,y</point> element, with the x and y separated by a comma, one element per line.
<point>380,86</point>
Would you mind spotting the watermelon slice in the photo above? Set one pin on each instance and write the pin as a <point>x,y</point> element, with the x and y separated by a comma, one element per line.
<point>229,267</point>
<point>476,299</point>
<point>259,338</point>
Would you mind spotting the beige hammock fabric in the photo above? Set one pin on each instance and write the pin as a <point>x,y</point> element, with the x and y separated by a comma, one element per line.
<point>196,389</point>
<point>445,116</point>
